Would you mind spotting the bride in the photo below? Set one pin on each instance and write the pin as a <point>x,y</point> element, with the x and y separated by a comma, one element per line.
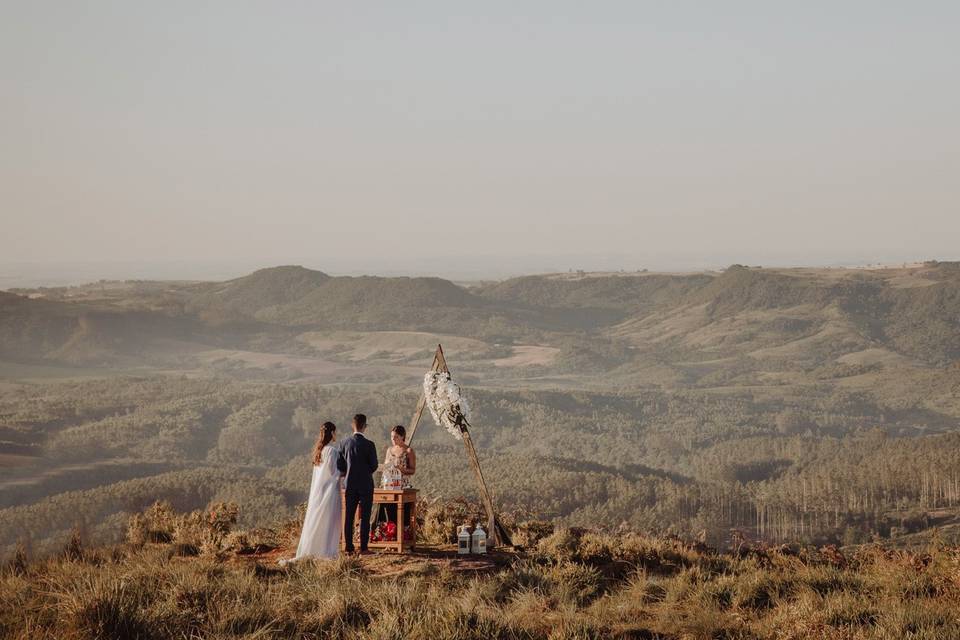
<point>320,537</point>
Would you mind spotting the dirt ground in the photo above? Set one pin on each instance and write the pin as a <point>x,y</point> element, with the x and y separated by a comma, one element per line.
<point>424,559</point>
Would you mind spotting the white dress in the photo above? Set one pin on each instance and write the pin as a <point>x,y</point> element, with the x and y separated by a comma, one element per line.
<point>320,537</point>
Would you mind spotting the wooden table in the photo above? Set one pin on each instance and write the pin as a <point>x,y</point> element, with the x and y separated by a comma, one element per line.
<point>406,509</point>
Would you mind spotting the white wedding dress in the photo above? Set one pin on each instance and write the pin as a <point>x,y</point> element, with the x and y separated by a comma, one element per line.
<point>320,537</point>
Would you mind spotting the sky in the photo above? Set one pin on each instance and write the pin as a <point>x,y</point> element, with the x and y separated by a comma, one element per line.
<point>483,138</point>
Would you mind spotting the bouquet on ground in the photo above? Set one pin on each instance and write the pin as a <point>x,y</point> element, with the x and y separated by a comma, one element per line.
<point>384,532</point>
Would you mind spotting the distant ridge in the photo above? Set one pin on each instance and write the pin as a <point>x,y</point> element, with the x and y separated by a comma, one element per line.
<point>291,274</point>
<point>263,289</point>
<point>82,333</point>
<point>626,293</point>
<point>295,296</point>
<point>742,312</point>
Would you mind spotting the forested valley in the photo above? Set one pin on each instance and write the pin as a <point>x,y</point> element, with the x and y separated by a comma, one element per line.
<point>811,406</point>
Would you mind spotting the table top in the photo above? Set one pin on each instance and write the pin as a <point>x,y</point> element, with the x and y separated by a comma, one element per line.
<point>395,495</point>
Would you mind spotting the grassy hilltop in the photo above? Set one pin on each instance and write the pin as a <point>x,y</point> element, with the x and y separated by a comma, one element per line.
<point>180,576</point>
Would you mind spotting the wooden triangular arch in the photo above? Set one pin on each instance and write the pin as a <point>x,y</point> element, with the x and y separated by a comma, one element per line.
<point>496,532</point>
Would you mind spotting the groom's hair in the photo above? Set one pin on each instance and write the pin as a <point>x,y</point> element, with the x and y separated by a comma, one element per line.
<point>360,421</point>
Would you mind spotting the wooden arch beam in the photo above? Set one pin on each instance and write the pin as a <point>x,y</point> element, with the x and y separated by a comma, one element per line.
<point>497,533</point>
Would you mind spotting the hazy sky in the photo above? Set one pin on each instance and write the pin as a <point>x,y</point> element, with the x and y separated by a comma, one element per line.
<point>393,135</point>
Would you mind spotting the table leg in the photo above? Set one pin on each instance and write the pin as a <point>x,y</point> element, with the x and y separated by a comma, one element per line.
<point>413,524</point>
<point>400,506</point>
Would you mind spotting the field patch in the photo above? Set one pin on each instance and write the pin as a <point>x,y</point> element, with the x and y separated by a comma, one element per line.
<point>529,356</point>
<point>388,345</point>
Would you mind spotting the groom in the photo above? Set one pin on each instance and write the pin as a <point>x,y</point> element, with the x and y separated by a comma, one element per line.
<point>358,460</point>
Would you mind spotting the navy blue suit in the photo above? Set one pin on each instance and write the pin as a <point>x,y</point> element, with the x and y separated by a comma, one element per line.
<point>358,460</point>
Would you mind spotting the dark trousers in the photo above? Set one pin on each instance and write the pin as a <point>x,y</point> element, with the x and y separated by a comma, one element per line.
<point>365,501</point>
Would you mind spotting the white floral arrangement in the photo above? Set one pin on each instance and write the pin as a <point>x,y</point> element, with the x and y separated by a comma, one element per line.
<point>446,402</point>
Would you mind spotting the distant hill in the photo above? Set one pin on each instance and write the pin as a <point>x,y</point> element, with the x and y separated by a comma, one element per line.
<point>300,298</point>
<point>259,294</point>
<point>29,328</point>
<point>915,312</point>
<point>624,293</point>
<point>812,316</point>
<point>295,296</point>
<point>35,330</point>
<point>83,333</point>
<point>374,303</point>
<point>923,321</point>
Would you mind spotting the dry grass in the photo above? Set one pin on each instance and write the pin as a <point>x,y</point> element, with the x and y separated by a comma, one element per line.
<point>570,584</point>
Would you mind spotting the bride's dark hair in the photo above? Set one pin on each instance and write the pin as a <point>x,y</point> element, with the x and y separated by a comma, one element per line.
<point>326,436</point>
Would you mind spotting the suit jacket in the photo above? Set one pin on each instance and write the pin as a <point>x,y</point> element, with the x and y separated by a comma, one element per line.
<point>358,460</point>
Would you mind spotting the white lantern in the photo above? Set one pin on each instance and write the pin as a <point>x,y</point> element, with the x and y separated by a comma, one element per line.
<point>463,540</point>
<point>479,540</point>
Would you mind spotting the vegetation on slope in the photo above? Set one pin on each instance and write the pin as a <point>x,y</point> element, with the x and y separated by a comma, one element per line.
<point>809,405</point>
<point>823,467</point>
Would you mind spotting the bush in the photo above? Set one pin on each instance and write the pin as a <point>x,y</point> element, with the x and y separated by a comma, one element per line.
<point>529,533</point>
<point>197,531</point>
<point>439,522</point>
<point>138,530</point>
<point>18,566</point>
<point>73,550</point>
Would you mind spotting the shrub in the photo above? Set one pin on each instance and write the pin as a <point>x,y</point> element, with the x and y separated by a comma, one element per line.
<point>529,533</point>
<point>237,542</point>
<point>18,566</point>
<point>137,530</point>
<point>73,550</point>
<point>439,522</point>
<point>563,544</point>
